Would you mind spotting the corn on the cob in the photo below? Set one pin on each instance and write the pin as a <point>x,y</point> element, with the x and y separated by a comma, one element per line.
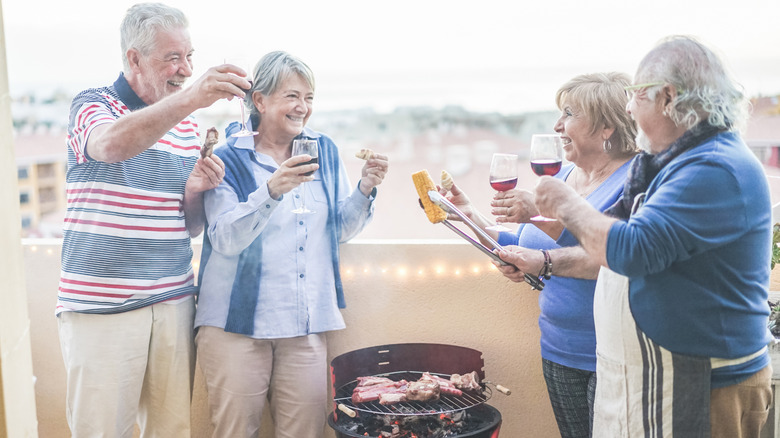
<point>423,183</point>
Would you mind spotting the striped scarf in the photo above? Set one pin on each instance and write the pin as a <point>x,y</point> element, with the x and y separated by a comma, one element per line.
<point>646,166</point>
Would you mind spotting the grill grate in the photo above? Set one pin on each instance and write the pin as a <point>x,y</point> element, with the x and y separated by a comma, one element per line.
<point>445,405</point>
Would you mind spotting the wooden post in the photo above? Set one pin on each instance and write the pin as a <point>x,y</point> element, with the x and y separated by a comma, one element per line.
<point>17,391</point>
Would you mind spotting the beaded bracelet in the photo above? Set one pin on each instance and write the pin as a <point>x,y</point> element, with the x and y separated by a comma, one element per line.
<point>546,270</point>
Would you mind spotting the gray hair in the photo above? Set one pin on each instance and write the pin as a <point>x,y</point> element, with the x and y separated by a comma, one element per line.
<point>142,23</point>
<point>602,98</point>
<point>704,88</point>
<point>270,72</point>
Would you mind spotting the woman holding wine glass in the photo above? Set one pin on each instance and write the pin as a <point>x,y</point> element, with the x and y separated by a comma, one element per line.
<point>270,286</point>
<point>597,138</point>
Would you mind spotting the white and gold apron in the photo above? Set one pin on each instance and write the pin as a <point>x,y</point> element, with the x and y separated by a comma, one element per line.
<point>643,390</point>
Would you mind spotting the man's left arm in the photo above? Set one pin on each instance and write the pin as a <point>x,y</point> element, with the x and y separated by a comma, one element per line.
<point>206,175</point>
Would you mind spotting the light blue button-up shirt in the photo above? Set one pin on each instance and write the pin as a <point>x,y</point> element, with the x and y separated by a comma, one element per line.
<point>297,294</point>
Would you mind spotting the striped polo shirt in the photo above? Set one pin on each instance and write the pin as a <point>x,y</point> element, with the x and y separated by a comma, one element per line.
<point>125,244</point>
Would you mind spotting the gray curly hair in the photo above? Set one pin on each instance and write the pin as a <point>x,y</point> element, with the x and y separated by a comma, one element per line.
<point>704,89</point>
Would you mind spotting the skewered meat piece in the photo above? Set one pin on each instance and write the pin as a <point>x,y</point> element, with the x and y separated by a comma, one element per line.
<point>212,137</point>
<point>466,382</point>
<point>363,394</point>
<point>372,380</point>
<point>389,398</point>
<point>423,390</point>
<point>446,386</point>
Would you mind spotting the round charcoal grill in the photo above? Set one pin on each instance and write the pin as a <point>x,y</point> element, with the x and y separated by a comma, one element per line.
<point>445,405</point>
<point>479,419</point>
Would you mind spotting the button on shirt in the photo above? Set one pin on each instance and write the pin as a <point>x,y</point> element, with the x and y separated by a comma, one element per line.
<point>297,287</point>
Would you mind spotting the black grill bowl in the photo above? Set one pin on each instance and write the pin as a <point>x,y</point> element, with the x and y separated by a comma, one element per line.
<point>490,420</point>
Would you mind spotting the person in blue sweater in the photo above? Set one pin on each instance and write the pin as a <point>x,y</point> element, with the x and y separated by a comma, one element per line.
<point>598,138</point>
<point>270,287</point>
<point>681,300</point>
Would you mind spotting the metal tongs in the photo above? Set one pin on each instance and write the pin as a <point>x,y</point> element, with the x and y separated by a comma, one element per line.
<point>449,207</point>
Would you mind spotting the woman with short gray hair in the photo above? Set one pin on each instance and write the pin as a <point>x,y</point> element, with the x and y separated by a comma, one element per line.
<point>270,282</point>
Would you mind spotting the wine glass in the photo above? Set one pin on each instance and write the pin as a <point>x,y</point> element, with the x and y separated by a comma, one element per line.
<point>503,177</point>
<point>546,158</point>
<point>305,147</point>
<point>244,131</point>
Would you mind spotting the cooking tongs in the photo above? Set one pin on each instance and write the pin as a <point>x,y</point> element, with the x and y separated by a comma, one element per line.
<point>449,207</point>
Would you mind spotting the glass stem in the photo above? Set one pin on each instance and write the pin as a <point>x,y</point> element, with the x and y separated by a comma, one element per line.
<point>243,117</point>
<point>303,196</point>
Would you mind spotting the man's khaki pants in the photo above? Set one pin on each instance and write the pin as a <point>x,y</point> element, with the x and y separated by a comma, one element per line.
<point>127,367</point>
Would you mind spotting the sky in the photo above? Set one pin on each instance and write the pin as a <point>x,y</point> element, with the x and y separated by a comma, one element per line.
<point>507,56</point>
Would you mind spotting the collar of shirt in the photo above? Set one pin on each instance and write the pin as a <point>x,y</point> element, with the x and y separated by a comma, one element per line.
<point>127,95</point>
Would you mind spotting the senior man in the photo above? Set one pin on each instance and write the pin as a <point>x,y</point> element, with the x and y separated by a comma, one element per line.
<point>135,186</point>
<point>681,302</point>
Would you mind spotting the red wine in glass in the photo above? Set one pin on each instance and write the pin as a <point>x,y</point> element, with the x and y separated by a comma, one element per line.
<point>546,156</point>
<point>546,166</point>
<point>314,160</point>
<point>305,147</point>
<point>503,185</point>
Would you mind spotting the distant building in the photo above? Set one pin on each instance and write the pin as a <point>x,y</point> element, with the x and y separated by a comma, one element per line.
<point>41,162</point>
<point>763,130</point>
<point>451,139</point>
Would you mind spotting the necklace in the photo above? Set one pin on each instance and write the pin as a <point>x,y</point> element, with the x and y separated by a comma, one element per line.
<point>585,188</point>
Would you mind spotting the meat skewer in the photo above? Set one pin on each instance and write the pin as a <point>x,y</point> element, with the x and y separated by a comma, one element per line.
<point>428,388</point>
<point>212,138</point>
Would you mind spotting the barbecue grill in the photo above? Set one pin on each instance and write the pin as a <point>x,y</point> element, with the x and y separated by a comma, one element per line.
<point>408,362</point>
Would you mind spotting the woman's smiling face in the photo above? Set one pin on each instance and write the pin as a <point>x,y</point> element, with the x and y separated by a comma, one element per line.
<point>577,134</point>
<point>288,108</point>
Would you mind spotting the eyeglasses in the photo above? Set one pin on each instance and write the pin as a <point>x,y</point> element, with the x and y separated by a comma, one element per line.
<point>631,90</point>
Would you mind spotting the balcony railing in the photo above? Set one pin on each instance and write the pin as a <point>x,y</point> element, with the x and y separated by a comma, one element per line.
<point>397,292</point>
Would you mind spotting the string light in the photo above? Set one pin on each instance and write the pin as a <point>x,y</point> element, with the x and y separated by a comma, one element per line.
<point>402,271</point>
